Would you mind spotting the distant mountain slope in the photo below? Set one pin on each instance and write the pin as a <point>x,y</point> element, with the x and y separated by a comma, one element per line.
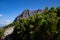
<point>2,25</point>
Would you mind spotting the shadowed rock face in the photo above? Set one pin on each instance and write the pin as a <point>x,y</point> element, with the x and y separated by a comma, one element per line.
<point>10,37</point>
<point>26,13</point>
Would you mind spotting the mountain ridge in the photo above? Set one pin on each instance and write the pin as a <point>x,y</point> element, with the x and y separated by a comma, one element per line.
<point>26,13</point>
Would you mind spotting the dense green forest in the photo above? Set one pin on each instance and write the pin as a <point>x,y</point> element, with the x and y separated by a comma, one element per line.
<point>41,26</point>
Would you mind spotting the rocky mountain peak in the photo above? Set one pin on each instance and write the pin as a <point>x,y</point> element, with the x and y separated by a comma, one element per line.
<point>26,13</point>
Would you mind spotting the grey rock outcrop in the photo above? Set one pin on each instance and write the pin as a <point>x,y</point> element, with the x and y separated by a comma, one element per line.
<point>8,34</point>
<point>9,31</point>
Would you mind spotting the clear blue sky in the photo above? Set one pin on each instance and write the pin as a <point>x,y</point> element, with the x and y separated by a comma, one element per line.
<point>9,9</point>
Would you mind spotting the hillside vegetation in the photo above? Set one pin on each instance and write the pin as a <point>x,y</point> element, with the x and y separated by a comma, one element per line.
<point>41,26</point>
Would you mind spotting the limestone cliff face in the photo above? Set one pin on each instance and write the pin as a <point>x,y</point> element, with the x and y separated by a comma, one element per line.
<point>26,13</point>
<point>8,34</point>
<point>8,31</point>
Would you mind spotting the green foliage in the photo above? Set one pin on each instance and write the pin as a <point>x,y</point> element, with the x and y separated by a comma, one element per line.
<point>36,27</point>
<point>1,32</point>
<point>46,9</point>
<point>52,10</point>
<point>41,26</point>
<point>58,11</point>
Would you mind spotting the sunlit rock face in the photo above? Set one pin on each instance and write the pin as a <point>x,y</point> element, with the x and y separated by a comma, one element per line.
<point>26,13</point>
<point>9,31</point>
